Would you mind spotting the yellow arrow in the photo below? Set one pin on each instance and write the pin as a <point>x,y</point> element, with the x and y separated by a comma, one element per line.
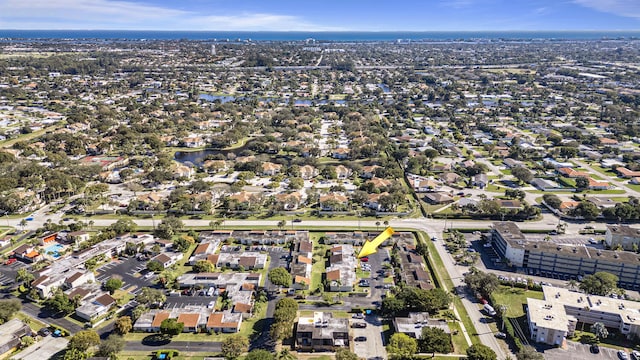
<point>371,247</point>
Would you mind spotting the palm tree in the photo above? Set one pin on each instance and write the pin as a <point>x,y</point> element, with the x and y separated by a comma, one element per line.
<point>572,284</point>
<point>284,354</point>
<point>377,225</point>
<point>386,223</point>
<point>282,224</point>
<point>23,224</point>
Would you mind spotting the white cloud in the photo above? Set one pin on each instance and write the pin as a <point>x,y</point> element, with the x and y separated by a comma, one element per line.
<point>107,14</point>
<point>626,8</point>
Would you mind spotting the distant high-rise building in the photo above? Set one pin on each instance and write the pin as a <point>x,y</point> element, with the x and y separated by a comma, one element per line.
<point>213,50</point>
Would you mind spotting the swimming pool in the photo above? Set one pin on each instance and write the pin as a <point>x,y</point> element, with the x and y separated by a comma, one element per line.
<point>54,250</point>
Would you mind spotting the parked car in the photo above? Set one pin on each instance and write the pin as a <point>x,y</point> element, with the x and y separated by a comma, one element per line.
<point>360,338</point>
<point>595,349</point>
<point>623,355</point>
<point>359,325</point>
<point>358,316</point>
<point>10,261</point>
<point>500,335</point>
<point>44,332</point>
<point>364,259</point>
<point>635,355</point>
<point>297,220</point>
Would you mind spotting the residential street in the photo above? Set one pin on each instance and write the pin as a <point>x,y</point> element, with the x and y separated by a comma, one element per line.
<point>46,318</point>
<point>194,346</point>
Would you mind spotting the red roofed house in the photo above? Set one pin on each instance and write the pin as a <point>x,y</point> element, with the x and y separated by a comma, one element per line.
<point>190,321</point>
<point>224,322</point>
<point>626,173</point>
<point>571,173</point>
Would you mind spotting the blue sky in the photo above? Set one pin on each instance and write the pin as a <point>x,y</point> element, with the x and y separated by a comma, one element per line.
<point>322,15</point>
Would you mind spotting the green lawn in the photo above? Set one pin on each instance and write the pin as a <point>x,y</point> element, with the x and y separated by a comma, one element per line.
<point>633,187</point>
<point>458,340</point>
<point>34,324</point>
<point>514,299</point>
<point>614,341</point>
<point>318,267</point>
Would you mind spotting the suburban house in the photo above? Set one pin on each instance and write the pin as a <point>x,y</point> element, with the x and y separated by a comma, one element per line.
<point>10,334</point>
<point>248,260</point>
<point>308,172</point>
<point>450,178</point>
<point>224,322</point>
<point>78,236</point>
<point>78,278</point>
<point>545,184</point>
<point>341,274</point>
<point>373,201</point>
<point>480,180</point>
<point>322,332</point>
<point>340,153</point>
<point>412,325</point>
<point>333,202</point>
<point>167,259</point>
<point>343,172</point>
<point>270,169</point>
<point>26,253</point>
<point>438,198</point>
<point>598,185</point>
<point>95,307</point>
<point>626,173</point>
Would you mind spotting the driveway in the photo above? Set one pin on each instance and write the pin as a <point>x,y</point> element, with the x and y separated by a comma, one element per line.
<point>374,345</point>
<point>578,351</point>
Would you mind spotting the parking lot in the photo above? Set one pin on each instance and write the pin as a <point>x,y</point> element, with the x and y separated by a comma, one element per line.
<point>373,347</point>
<point>183,301</point>
<point>8,272</point>
<point>578,351</point>
<point>131,270</point>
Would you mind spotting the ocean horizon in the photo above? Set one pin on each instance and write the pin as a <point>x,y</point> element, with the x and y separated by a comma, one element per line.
<point>334,36</point>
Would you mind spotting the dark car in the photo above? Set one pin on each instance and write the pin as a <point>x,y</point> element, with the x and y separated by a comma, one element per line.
<point>44,332</point>
<point>595,349</point>
<point>360,338</point>
<point>359,325</point>
<point>297,220</point>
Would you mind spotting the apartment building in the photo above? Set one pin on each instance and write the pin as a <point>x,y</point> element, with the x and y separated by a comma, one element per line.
<point>554,318</point>
<point>622,235</point>
<point>322,332</point>
<point>565,261</point>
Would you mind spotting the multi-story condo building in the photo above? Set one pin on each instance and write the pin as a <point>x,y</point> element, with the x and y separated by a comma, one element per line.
<point>564,261</point>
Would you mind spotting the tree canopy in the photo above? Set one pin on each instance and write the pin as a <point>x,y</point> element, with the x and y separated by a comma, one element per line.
<point>402,345</point>
<point>234,346</point>
<point>8,308</point>
<point>480,352</point>
<point>601,283</point>
<point>280,276</point>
